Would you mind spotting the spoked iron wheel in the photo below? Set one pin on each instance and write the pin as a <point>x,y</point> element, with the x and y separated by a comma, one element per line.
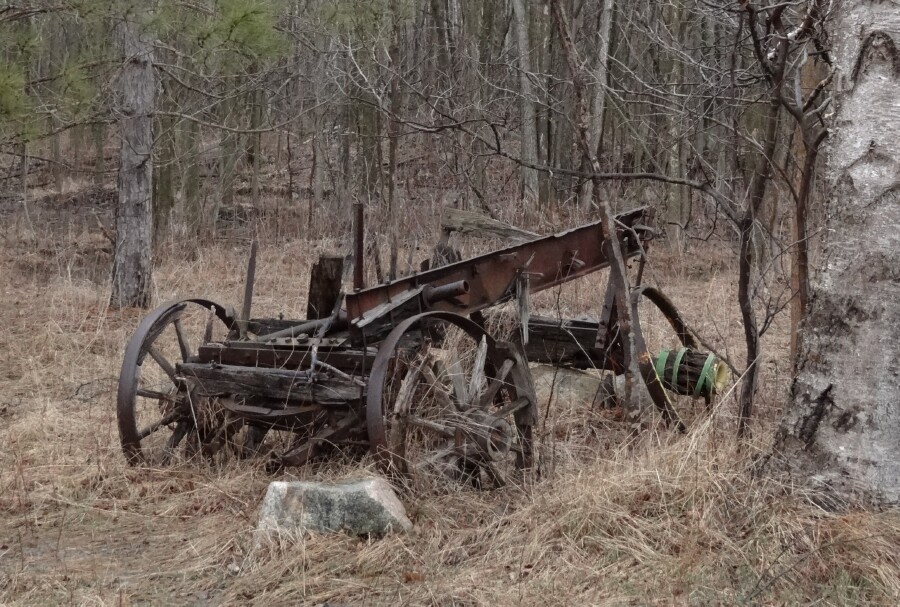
<point>447,403</point>
<point>157,412</point>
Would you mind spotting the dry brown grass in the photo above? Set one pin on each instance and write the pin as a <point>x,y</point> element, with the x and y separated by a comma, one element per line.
<point>664,519</point>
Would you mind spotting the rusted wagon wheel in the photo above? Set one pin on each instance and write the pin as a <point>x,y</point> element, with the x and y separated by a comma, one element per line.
<point>155,408</point>
<point>456,406</point>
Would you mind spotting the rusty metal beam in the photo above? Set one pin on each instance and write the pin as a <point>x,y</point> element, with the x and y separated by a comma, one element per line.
<point>549,261</point>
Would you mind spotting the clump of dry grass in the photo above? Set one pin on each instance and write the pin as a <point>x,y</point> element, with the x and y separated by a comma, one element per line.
<point>678,522</point>
<point>661,519</point>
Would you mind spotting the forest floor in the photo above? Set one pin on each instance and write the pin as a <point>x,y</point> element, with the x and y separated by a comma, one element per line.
<point>664,519</point>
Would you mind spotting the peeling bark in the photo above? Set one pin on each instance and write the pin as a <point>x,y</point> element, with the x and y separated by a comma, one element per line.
<point>841,431</point>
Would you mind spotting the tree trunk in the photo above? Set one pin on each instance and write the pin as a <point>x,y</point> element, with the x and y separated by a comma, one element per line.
<point>255,147</point>
<point>746,290</point>
<point>132,265</point>
<point>190,184</point>
<point>165,180</point>
<point>321,163</point>
<point>229,152</point>
<point>59,167</point>
<point>393,128</point>
<point>529,116</point>
<point>98,133</point>
<point>678,211</point>
<point>841,430</point>
<point>598,102</point>
<point>805,154</point>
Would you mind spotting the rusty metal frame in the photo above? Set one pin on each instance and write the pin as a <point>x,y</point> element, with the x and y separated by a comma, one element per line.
<point>491,277</point>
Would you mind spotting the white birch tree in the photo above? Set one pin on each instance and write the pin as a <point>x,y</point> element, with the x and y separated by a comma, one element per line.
<point>841,431</point>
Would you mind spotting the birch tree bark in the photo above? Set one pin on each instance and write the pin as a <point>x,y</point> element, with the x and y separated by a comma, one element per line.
<point>841,430</point>
<point>132,265</point>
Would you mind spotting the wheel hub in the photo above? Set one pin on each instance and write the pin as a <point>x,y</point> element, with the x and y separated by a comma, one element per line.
<point>483,436</point>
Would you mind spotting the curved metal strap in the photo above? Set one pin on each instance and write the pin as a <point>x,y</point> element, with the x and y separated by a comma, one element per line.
<point>668,309</point>
<point>660,366</point>
<point>704,376</point>
<point>678,358</point>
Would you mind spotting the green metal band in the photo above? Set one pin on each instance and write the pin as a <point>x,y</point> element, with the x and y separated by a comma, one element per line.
<point>660,366</point>
<point>704,376</point>
<point>677,364</point>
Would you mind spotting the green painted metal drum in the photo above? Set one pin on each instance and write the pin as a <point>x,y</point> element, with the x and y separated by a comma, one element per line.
<point>692,373</point>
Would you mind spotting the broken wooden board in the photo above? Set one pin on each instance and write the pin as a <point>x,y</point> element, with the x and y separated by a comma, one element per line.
<point>325,280</point>
<point>294,386</point>
<point>476,224</point>
<point>568,343</point>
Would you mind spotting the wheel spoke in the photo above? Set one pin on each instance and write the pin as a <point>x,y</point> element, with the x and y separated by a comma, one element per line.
<point>181,430</point>
<point>441,429</point>
<point>397,429</point>
<point>407,388</point>
<point>157,395</point>
<point>435,457</point>
<point>183,342</point>
<point>164,421</point>
<point>440,395</point>
<point>519,403</point>
<point>164,364</point>
<point>208,331</point>
<point>477,372</point>
<point>496,383</point>
<point>457,381</point>
<point>408,384</point>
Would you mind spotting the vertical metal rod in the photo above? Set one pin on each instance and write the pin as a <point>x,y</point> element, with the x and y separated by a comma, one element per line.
<point>640,272</point>
<point>359,247</point>
<point>248,289</point>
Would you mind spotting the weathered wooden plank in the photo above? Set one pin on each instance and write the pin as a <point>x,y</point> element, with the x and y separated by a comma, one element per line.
<point>324,286</point>
<point>294,386</point>
<point>250,354</point>
<point>264,326</point>
<point>307,327</point>
<point>567,343</point>
<point>272,412</point>
<point>476,224</point>
<point>375,324</point>
<point>275,415</point>
<point>248,289</point>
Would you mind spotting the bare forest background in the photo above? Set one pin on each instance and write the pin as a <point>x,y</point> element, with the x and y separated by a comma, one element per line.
<point>285,113</point>
<point>268,120</point>
<point>297,109</point>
